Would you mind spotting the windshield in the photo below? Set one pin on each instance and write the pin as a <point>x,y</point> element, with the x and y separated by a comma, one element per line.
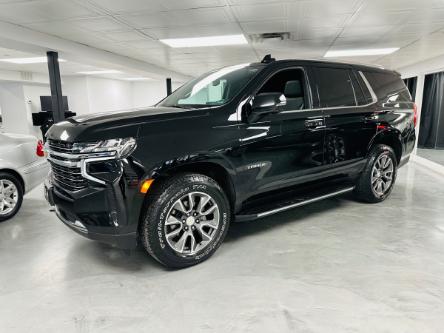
<point>213,88</point>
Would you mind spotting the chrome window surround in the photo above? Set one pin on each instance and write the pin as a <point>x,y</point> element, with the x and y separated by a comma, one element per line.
<point>370,89</point>
<point>79,161</point>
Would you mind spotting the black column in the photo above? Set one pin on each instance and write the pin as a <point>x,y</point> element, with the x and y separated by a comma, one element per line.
<point>56,86</point>
<point>169,87</point>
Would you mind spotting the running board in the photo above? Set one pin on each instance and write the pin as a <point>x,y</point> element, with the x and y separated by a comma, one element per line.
<point>290,205</point>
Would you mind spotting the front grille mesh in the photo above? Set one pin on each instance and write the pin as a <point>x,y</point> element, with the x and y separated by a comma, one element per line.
<point>68,177</point>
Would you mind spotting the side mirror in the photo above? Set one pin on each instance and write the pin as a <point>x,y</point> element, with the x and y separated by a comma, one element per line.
<point>265,103</point>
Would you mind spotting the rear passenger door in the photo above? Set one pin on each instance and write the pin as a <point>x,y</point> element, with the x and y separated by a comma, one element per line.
<point>348,107</point>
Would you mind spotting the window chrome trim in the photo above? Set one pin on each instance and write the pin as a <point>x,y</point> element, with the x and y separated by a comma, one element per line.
<point>307,85</point>
<point>369,87</point>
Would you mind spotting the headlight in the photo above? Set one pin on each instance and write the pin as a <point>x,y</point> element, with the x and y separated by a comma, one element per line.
<point>120,148</point>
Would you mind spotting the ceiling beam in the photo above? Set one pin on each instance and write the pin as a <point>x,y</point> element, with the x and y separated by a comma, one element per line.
<point>81,53</point>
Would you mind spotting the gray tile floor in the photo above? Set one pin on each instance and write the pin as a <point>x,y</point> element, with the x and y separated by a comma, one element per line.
<point>434,155</point>
<point>334,266</point>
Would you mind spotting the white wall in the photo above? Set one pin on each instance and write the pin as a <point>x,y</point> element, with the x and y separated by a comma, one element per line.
<point>18,101</point>
<point>148,93</point>
<point>86,95</point>
<point>108,95</point>
<point>75,87</point>
<point>91,95</point>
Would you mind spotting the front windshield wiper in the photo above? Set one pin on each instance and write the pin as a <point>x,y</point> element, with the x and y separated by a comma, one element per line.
<point>179,106</point>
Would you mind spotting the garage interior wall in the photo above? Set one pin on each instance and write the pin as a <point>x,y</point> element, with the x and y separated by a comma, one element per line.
<point>86,95</point>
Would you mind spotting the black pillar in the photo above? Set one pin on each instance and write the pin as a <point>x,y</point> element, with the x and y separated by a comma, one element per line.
<point>56,86</point>
<point>169,88</point>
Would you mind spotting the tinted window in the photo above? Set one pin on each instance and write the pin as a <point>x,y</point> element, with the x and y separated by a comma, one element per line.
<point>335,88</point>
<point>386,84</point>
<point>291,84</point>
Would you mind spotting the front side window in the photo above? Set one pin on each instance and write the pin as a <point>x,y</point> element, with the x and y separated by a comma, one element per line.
<point>212,89</point>
<point>290,83</point>
<point>335,87</point>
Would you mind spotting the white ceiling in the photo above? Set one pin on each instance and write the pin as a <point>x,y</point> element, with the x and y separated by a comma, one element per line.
<point>132,28</point>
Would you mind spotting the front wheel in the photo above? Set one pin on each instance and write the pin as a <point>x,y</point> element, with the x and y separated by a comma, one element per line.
<point>11,195</point>
<point>376,181</point>
<point>186,220</point>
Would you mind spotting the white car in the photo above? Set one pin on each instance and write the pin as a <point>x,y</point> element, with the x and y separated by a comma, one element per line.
<point>23,166</point>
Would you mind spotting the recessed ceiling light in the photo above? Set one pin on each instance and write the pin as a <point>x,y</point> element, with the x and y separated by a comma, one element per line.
<point>108,71</point>
<point>205,41</point>
<point>137,78</point>
<point>360,52</point>
<point>33,60</point>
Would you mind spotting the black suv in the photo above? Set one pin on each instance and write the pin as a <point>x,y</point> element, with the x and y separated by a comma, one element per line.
<point>238,143</point>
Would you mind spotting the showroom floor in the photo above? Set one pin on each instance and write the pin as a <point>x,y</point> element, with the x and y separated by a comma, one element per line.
<point>334,266</point>
<point>434,155</point>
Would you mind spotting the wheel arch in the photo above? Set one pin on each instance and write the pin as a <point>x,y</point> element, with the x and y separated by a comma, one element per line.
<point>17,175</point>
<point>211,169</point>
<point>389,137</point>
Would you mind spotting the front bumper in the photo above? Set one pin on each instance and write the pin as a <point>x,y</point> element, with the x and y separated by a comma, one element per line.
<point>104,213</point>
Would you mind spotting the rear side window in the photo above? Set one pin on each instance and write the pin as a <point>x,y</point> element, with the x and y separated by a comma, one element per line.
<point>335,87</point>
<point>386,85</point>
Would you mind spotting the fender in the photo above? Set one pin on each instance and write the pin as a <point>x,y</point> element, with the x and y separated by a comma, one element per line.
<point>390,136</point>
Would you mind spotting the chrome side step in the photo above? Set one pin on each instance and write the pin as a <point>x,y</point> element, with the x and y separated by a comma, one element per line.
<point>293,205</point>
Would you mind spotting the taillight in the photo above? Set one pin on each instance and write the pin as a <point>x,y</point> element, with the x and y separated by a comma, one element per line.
<point>415,114</point>
<point>39,151</point>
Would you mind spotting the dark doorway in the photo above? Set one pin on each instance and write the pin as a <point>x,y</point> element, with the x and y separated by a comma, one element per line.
<point>431,130</point>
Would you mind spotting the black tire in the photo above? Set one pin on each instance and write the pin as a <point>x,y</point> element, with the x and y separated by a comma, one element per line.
<point>12,178</point>
<point>160,203</point>
<point>364,190</point>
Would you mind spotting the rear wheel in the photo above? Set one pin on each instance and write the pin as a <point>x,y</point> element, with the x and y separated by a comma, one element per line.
<point>11,195</point>
<point>376,181</point>
<point>186,220</point>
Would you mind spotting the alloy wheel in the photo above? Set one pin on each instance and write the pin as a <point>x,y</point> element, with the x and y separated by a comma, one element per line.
<point>382,175</point>
<point>191,223</point>
<point>8,196</point>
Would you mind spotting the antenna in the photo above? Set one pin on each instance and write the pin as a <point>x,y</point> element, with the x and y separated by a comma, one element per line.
<point>267,59</point>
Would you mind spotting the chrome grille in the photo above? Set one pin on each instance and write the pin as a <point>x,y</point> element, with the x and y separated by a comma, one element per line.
<point>65,166</point>
<point>60,146</point>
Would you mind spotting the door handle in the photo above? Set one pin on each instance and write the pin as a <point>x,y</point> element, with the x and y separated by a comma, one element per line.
<point>315,123</point>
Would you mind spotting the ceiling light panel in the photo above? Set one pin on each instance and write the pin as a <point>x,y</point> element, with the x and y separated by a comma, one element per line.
<point>108,71</point>
<point>360,52</point>
<point>206,41</point>
<point>31,60</point>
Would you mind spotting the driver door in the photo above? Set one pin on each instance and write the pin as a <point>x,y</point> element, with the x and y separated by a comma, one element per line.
<point>285,147</point>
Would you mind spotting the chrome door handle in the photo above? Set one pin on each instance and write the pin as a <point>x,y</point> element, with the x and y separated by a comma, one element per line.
<point>315,123</point>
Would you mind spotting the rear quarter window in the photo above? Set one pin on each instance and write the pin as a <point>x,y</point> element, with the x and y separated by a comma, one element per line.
<point>386,85</point>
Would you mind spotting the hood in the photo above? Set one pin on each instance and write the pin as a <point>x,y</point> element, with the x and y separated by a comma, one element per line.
<point>108,125</point>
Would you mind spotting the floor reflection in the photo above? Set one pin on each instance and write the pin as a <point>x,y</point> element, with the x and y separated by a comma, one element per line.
<point>434,155</point>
